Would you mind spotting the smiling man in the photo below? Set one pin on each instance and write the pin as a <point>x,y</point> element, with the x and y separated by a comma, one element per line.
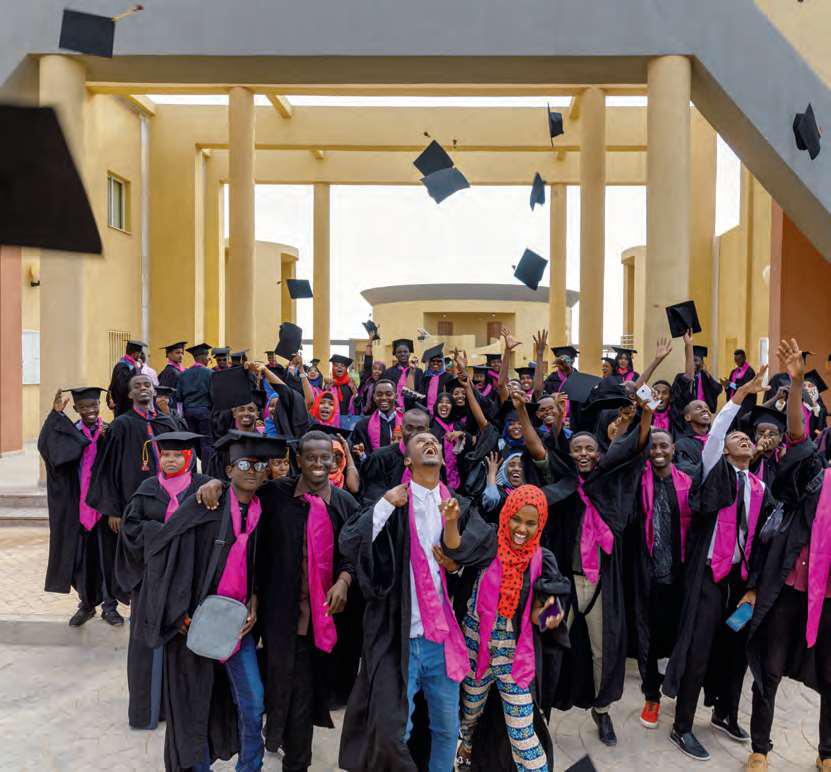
<point>377,430</point>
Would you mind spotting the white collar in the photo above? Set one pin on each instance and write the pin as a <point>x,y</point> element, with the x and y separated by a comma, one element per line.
<point>421,493</point>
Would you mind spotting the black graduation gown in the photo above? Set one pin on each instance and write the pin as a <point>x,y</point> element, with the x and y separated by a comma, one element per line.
<point>145,512</point>
<point>611,488</point>
<point>381,471</point>
<point>768,466</point>
<point>684,391</point>
<point>74,555</point>
<point>706,499</point>
<point>377,711</point>
<point>688,453</point>
<point>169,376</point>
<point>197,700</point>
<point>394,373</point>
<point>290,379</point>
<point>360,434</point>
<point>291,418</point>
<point>491,747</point>
<point>279,561</point>
<point>750,400</point>
<point>793,484</point>
<point>119,387</point>
<point>118,475</point>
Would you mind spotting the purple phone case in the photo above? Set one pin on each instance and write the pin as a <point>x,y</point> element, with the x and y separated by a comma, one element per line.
<point>552,611</point>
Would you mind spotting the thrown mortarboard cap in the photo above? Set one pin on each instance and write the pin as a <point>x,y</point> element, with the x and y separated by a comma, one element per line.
<point>700,351</point>
<point>230,388</point>
<point>299,289</point>
<point>760,414</point>
<point>683,317</point>
<point>436,352</point>
<point>85,392</point>
<point>444,183</point>
<point>806,132</point>
<point>221,351</point>
<point>42,198</point>
<point>87,33</point>
<point>339,359</point>
<point>372,329</point>
<point>578,387</point>
<point>583,765</point>
<point>177,440</point>
<point>432,159</point>
<point>251,445</point>
<point>289,341</point>
<point>565,351</point>
<point>314,362</point>
<point>199,349</point>
<point>402,342</point>
<point>537,191</point>
<point>814,377</point>
<point>173,346</point>
<point>555,123</point>
<point>530,269</point>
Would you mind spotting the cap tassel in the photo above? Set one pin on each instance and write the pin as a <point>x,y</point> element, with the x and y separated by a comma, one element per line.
<point>133,9</point>
<point>145,457</point>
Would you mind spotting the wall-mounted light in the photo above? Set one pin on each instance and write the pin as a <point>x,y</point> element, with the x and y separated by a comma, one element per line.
<point>33,274</point>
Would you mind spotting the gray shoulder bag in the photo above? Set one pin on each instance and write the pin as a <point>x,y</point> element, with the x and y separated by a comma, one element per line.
<point>214,628</point>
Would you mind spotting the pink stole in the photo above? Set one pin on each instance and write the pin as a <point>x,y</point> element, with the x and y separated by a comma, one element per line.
<point>660,420</point>
<point>437,617</point>
<point>433,391</point>
<point>819,559</point>
<point>681,482</point>
<point>737,373</point>
<point>725,544</point>
<point>595,533</point>
<point>196,364</point>
<point>699,387</point>
<point>177,365</point>
<point>523,668</point>
<point>173,486</point>
<point>627,375</point>
<point>488,388</point>
<point>234,580</point>
<point>88,516</point>
<point>401,385</point>
<point>451,463</point>
<point>320,558</point>
<point>374,428</point>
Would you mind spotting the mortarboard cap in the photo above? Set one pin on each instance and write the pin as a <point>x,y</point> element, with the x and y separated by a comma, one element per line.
<point>537,191</point>
<point>610,362</point>
<point>177,440</point>
<point>87,33</point>
<point>579,385</point>
<point>605,395</point>
<point>701,351</point>
<point>565,351</point>
<point>135,345</point>
<point>339,359</point>
<point>299,289</point>
<point>199,349</point>
<point>402,342</point>
<point>251,445</point>
<point>683,317</point>
<point>527,370</point>
<point>165,391</point>
<point>482,369</point>
<point>290,340</point>
<point>238,355</point>
<point>555,123</point>
<point>444,183</point>
<point>85,392</point>
<point>433,158</point>
<point>314,362</point>
<point>42,198</point>
<point>814,377</point>
<point>436,352</point>
<point>344,430</point>
<point>490,358</point>
<point>173,346</point>
<point>806,132</point>
<point>530,269</point>
<point>766,415</point>
<point>583,765</point>
<point>230,388</point>
<point>621,350</point>
<point>372,329</point>
<point>221,351</point>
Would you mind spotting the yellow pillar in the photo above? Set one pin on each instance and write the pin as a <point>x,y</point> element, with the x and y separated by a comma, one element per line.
<point>321,273</point>
<point>288,269</point>
<point>557,281</point>
<point>241,218</point>
<point>63,293</point>
<point>667,199</point>
<point>592,227</point>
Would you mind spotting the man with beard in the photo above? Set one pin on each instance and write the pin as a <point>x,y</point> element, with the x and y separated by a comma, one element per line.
<point>175,352</point>
<point>688,446</point>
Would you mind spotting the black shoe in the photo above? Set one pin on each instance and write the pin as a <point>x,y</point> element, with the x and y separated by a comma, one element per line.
<point>730,727</point>
<point>605,728</point>
<point>689,746</point>
<point>81,615</point>
<point>112,617</point>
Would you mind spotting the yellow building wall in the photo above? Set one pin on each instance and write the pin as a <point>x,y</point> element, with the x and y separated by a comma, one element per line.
<point>30,320</point>
<point>267,296</point>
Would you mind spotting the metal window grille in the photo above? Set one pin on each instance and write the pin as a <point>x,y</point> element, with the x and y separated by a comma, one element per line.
<point>116,343</point>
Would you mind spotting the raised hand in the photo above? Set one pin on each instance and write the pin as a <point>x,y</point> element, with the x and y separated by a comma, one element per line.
<point>664,347</point>
<point>448,564</point>
<point>688,338</point>
<point>790,354</point>
<point>540,343</point>
<point>59,405</point>
<point>756,386</point>
<point>398,496</point>
<point>493,461</point>
<point>449,509</point>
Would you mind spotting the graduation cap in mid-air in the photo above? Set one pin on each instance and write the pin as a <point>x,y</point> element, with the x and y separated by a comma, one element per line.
<point>432,159</point>
<point>89,33</point>
<point>289,341</point>
<point>372,329</point>
<point>806,132</point>
<point>441,177</point>
<point>530,269</point>
<point>299,289</point>
<point>555,124</point>
<point>537,191</point>
<point>230,388</point>
<point>42,198</point>
<point>683,317</point>
<point>579,386</point>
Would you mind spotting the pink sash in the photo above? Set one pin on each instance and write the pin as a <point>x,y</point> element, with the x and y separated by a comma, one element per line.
<point>234,581</point>
<point>374,428</point>
<point>628,375</point>
<point>440,625</point>
<point>401,385</point>
<point>595,533</point>
<point>725,544</point>
<point>451,463</point>
<point>177,365</point>
<point>819,560</point>
<point>681,482</point>
<point>699,387</point>
<point>320,551</point>
<point>487,389</point>
<point>660,420</point>
<point>173,486</point>
<point>432,391</point>
<point>737,373</point>
<point>88,516</point>
<point>523,668</point>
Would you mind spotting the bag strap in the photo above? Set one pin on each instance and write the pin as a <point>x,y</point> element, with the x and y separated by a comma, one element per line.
<point>219,543</point>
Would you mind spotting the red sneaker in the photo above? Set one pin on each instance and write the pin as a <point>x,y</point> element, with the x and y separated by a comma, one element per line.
<point>650,713</point>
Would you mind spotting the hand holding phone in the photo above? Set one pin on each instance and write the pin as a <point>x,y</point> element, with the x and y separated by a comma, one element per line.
<point>553,610</point>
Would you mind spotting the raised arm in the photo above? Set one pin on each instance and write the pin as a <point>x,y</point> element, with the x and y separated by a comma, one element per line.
<point>533,443</point>
<point>689,357</point>
<point>790,354</point>
<point>472,401</point>
<point>662,350</point>
<point>540,345</point>
<point>507,363</point>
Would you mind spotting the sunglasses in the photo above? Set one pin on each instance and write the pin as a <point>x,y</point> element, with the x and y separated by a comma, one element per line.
<point>245,465</point>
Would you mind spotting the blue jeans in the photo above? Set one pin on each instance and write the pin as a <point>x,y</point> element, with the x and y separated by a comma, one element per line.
<point>427,672</point>
<point>247,691</point>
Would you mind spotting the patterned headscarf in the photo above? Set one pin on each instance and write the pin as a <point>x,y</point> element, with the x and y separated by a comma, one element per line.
<point>337,477</point>
<point>514,559</point>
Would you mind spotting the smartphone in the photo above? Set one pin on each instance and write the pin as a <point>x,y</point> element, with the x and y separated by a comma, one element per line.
<point>739,618</point>
<point>552,611</point>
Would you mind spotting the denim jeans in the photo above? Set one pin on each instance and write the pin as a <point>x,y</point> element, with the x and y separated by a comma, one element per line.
<point>247,691</point>
<point>427,672</point>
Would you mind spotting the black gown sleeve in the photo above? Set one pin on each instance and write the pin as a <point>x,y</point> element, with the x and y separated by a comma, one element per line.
<point>478,545</point>
<point>551,581</point>
<point>105,494</point>
<point>59,441</point>
<point>135,533</point>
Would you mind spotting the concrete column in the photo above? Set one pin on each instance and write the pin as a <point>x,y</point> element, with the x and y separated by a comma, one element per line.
<point>241,218</point>
<point>63,289</point>
<point>667,199</point>
<point>321,274</point>
<point>557,267</point>
<point>288,307</point>
<point>592,227</point>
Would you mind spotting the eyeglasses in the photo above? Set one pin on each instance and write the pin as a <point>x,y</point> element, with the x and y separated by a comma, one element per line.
<point>245,465</point>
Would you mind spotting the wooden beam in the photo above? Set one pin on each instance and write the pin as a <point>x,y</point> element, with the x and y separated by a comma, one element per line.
<point>574,107</point>
<point>281,105</point>
<point>141,104</point>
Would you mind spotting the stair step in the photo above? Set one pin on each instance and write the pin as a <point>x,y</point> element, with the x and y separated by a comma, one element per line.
<point>31,515</point>
<point>25,498</point>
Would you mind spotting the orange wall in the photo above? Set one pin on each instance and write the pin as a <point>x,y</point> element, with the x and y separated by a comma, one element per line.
<point>11,376</point>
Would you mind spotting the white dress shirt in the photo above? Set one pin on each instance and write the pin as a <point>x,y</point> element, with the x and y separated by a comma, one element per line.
<point>428,522</point>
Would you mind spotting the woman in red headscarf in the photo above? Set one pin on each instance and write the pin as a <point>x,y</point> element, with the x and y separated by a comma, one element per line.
<point>516,582</point>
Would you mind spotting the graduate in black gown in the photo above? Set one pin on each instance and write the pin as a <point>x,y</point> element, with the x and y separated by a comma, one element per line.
<point>152,505</point>
<point>289,416</point>
<point>126,367</point>
<point>696,382</point>
<point>381,426</point>
<point>213,710</point>
<point>790,632</point>
<point>730,505</point>
<point>175,352</point>
<point>691,438</point>
<point>126,461</point>
<point>404,373</point>
<point>436,377</point>
<point>767,427</point>
<point>563,367</point>
<point>165,396</point>
<point>741,374</point>
<point>343,387</point>
<point>593,498</point>
<point>81,540</point>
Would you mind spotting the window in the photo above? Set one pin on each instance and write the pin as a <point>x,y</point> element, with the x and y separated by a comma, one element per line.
<point>31,357</point>
<point>444,328</point>
<point>116,343</point>
<point>117,204</point>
